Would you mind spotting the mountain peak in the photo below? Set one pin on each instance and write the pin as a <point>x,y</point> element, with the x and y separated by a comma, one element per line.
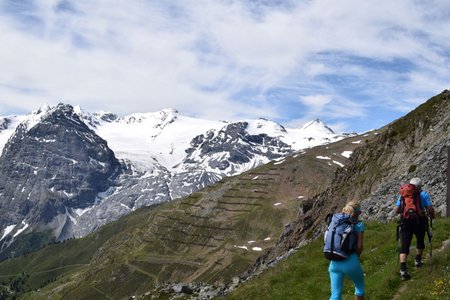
<point>163,116</point>
<point>263,125</point>
<point>78,110</point>
<point>170,111</point>
<point>317,125</point>
<point>42,110</point>
<point>36,116</point>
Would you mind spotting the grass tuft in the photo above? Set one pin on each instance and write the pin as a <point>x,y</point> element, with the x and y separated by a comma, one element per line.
<point>304,275</point>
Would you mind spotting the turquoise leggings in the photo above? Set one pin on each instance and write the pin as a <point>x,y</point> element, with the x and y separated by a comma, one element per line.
<point>350,267</point>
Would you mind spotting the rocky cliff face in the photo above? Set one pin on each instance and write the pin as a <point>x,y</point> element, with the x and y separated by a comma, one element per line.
<point>412,146</point>
<point>225,152</point>
<point>51,166</point>
<point>4,123</point>
<point>211,157</point>
<point>57,172</point>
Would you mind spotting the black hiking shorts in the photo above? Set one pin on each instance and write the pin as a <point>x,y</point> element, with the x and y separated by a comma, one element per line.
<point>410,227</point>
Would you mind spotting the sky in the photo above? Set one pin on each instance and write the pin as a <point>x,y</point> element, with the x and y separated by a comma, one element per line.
<point>356,65</point>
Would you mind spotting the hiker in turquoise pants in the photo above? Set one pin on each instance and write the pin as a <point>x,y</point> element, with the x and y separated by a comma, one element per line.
<point>351,266</point>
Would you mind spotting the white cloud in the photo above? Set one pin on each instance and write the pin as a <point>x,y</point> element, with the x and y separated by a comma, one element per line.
<point>318,101</point>
<point>225,59</point>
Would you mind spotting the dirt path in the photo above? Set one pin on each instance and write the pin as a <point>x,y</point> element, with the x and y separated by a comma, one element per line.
<point>445,244</point>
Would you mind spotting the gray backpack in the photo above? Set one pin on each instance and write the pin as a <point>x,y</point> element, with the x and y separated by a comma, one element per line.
<point>340,239</point>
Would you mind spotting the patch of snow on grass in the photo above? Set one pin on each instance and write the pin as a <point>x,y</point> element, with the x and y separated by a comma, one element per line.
<point>241,247</point>
<point>338,163</point>
<point>346,153</point>
<point>323,157</point>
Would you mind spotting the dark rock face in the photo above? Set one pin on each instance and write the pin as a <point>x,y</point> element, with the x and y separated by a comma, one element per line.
<point>57,164</point>
<point>239,144</point>
<point>217,154</point>
<point>4,123</point>
<point>56,173</point>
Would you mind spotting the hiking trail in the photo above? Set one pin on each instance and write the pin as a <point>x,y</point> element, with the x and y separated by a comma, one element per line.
<point>404,285</point>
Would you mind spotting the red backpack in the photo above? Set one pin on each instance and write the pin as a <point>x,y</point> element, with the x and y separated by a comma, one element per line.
<point>410,201</point>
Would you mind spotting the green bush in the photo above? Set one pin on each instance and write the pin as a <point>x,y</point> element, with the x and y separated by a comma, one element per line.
<point>412,168</point>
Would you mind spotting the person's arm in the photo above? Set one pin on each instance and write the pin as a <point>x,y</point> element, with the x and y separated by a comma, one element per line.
<point>397,206</point>
<point>359,234</point>
<point>426,202</point>
<point>359,248</point>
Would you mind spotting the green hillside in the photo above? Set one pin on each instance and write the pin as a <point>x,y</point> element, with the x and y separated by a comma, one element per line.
<point>412,146</point>
<point>245,222</point>
<point>304,275</point>
<point>200,238</point>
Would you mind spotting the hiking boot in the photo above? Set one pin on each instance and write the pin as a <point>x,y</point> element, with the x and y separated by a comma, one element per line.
<point>404,275</point>
<point>418,263</point>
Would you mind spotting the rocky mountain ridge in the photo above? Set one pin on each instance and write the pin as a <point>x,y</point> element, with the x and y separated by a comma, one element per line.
<point>415,145</point>
<point>81,171</point>
<point>39,183</point>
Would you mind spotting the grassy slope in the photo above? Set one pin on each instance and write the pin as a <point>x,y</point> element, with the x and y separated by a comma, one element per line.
<point>191,239</point>
<point>61,258</point>
<point>304,275</point>
<point>409,147</point>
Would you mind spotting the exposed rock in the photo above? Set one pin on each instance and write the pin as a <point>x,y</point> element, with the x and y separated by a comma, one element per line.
<point>55,165</point>
<point>60,175</point>
<point>413,146</point>
<point>4,123</point>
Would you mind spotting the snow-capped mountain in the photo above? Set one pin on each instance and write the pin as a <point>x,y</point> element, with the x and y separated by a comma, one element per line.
<point>72,171</point>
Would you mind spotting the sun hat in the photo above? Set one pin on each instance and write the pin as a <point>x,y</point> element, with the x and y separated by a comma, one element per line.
<point>416,181</point>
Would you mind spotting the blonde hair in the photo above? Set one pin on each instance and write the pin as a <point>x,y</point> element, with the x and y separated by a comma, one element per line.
<point>351,207</point>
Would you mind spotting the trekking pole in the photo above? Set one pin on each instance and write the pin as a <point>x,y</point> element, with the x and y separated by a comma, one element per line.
<point>430,236</point>
<point>398,237</point>
<point>399,231</point>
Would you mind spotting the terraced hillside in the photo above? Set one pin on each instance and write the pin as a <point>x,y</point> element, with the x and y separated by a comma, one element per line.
<point>210,236</point>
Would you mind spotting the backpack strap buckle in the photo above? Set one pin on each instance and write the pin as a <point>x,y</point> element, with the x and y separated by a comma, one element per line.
<point>411,213</point>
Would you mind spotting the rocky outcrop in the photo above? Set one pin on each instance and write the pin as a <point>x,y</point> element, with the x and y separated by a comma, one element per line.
<point>50,166</point>
<point>222,153</point>
<point>412,146</point>
<point>4,123</point>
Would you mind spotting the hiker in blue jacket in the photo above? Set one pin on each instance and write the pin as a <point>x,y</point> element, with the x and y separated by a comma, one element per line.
<point>414,224</point>
<point>351,266</point>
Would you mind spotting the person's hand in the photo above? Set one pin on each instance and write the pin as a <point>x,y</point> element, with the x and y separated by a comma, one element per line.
<point>430,211</point>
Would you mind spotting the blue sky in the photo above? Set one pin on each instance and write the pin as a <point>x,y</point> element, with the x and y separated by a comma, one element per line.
<point>356,65</point>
